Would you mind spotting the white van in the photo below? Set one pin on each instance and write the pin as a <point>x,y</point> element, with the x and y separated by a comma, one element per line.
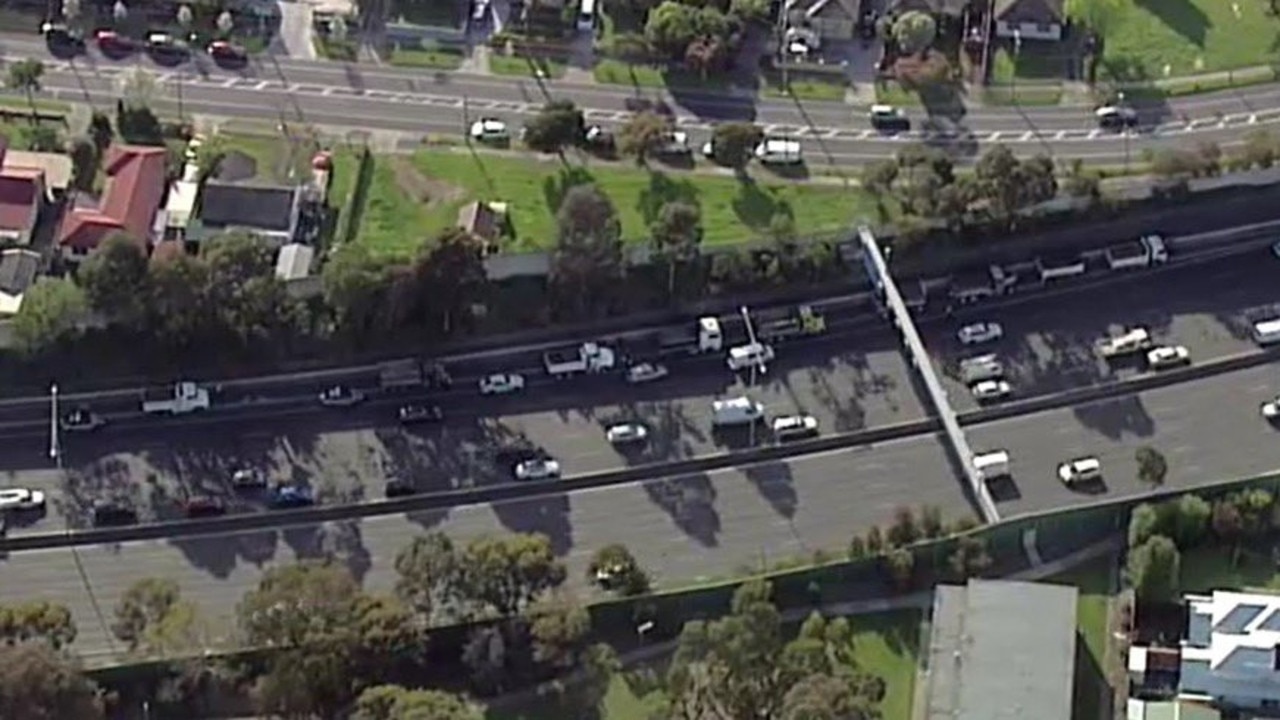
<point>1266,331</point>
<point>745,356</point>
<point>587,16</point>
<point>983,367</point>
<point>992,465</point>
<point>736,411</point>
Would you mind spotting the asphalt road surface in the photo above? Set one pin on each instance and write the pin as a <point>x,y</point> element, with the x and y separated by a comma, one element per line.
<point>347,96</point>
<point>682,529</point>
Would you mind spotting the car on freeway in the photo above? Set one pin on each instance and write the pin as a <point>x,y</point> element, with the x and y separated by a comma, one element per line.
<point>1271,410</point>
<point>490,130</point>
<point>991,390</point>
<point>794,427</point>
<point>888,118</point>
<point>779,151</point>
<point>980,332</point>
<point>537,469</point>
<point>340,396</point>
<point>646,372</point>
<point>112,42</point>
<point>21,499</point>
<point>81,419</point>
<point>248,479</point>
<point>199,506</point>
<point>501,384</point>
<point>1085,469</point>
<point>224,51</point>
<point>112,513</point>
<point>165,45</point>
<point>626,433</point>
<point>399,487</point>
<point>418,414</point>
<point>1168,356</point>
<point>1116,117</point>
<point>288,495</point>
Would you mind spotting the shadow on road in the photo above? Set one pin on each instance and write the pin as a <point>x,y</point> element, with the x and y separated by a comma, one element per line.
<point>690,501</point>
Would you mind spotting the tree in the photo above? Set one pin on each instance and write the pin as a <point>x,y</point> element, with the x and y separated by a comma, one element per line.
<point>52,311</point>
<point>138,89</point>
<point>705,55</point>
<point>969,559</point>
<point>100,131</point>
<point>1256,508</point>
<point>24,76</point>
<point>71,12</point>
<point>119,12</point>
<point>504,574</point>
<point>824,697</point>
<point>1227,523</point>
<point>179,308</point>
<point>39,138</point>
<point>355,289</point>
<point>1144,522</point>
<point>184,18</point>
<point>1009,184</point>
<point>37,620</point>
<point>677,237</point>
<point>1097,15</point>
<point>587,263</point>
<point>338,29</point>
<point>1081,182</point>
<point>734,143</point>
<point>428,570</point>
<point>84,163</point>
<point>559,628</point>
<point>251,300</point>
<point>1152,466</point>
<point>875,540</point>
<point>225,23</point>
<point>903,531</point>
<point>1174,163</point>
<point>901,565</point>
<point>115,279</point>
<point>152,616</point>
<point>392,702</point>
<point>558,125</point>
<point>878,177</point>
<point>914,32</point>
<point>750,10</point>
<point>931,524</point>
<point>1190,520</point>
<point>446,279</point>
<point>40,683</point>
<point>643,133</point>
<point>670,28</point>
<point>624,573</point>
<point>1260,148</point>
<point>857,548</point>
<point>1153,569</point>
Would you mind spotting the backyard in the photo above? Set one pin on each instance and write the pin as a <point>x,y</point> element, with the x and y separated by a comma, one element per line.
<point>1151,39</point>
<point>413,197</point>
<point>1211,567</point>
<point>885,644</point>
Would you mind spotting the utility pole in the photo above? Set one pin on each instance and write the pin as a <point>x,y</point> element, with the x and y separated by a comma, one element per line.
<point>755,366</point>
<point>55,451</point>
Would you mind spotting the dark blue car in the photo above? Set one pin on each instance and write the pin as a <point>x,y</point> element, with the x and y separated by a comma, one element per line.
<point>291,496</point>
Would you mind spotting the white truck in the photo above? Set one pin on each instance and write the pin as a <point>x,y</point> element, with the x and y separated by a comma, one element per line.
<point>1130,341</point>
<point>589,357</point>
<point>736,411</point>
<point>184,397</point>
<point>1146,251</point>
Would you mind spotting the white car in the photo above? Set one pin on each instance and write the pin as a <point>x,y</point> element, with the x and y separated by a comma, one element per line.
<point>537,469</point>
<point>779,151</point>
<point>1080,470</point>
<point>1116,117</point>
<point>978,333</point>
<point>991,390</point>
<point>341,396</point>
<point>646,372</point>
<point>490,130</point>
<point>789,427</point>
<point>1168,356</point>
<point>501,384</point>
<point>1271,410</point>
<point>626,433</point>
<point>21,499</point>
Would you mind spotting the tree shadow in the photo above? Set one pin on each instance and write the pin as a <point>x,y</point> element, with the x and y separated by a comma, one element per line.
<point>662,189</point>
<point>337,542</point>
<point>547,514</point>
<point>1114,418</point>
<point>775,483</point>
<point>555,187</point>
<point>1180,16</point>
<point>690,501</point>
<point>219,555</point>
<point>756,207</point>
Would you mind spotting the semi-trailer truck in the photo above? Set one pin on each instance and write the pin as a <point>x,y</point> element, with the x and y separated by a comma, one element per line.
<point>792,323</point>
<point>1146,251</point>
<point>182,398</point>
<point>412,374</point>
<point>706,336</point>
<point>589,357</point>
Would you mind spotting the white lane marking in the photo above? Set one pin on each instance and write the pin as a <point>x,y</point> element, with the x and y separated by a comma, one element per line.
<point>1028,136</point>
<point>995,136</point>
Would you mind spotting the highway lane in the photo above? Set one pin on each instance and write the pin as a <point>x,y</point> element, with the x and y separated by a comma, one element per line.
<point>1208,430</point>
<point>414,114</point>
<point>682,529</point>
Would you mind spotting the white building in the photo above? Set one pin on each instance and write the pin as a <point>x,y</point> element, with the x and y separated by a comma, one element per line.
<point>1231,654</point>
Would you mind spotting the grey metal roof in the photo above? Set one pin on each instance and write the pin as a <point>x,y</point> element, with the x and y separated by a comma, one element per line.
<point>261,207</point>
<point>1002,651</point>
<point>18,269</point>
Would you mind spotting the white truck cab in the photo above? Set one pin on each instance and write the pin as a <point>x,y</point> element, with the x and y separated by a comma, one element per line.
<point>991,465</point>
<point>736,411</point>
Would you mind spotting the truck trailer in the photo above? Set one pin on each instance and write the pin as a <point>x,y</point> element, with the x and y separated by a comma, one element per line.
<point>589,357</point>
<point>1146,251</point>
<point>412,374</point>
<point>792,323</point>
<point>182,398</point>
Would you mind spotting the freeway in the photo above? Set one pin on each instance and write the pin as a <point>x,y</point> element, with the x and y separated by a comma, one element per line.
<point>414,105</point>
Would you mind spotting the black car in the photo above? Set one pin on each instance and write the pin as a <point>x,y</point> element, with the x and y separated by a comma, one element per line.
<point>109,513</point>
<point>61,40</point>
<point>399,488</point>
<point>416,414</point>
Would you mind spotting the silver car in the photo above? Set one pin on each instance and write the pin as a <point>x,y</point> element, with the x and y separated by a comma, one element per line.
<point>537,469</point>
<point>626,433</point>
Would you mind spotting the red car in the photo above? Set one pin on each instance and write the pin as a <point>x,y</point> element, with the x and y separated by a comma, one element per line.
<point>205,506</point>
<point>109,40</point>
<point>223,50</point>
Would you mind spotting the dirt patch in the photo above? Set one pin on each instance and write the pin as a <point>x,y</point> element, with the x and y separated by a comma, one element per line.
<point>427,190</point>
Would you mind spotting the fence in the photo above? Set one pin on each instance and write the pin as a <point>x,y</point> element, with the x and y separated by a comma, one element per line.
<point>349,215</point>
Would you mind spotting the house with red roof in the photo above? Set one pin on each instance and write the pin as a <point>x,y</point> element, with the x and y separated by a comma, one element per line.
<point>130,199</point>
<point>22,197</point>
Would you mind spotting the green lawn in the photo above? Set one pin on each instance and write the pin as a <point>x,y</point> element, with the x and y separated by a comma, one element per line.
<point>806,89</point>
<point>515,65</point>
<point>1092,606</point>
<point>438,59</point>
<point>278,159</point>
<point>617,72</point>
<point>413,197</point>
<point>1210,568</point>
<point>1161,38</point>
<point>888,645</point>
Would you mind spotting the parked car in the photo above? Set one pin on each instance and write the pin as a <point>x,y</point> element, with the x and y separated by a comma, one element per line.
<point>989,390</point>
<point>288,495</point>
<point>1271,410</point>
<point>248,479</point>
<point>490,130</point>
<point>1168,356</point>
<point>501,384</point>
<point>398,487</point>
<point>204,506</point>
<point>646,372</point>
<point>794,427</point>
<point>416,414</point>
<point>340,396</point>
<point>537,469</point>
<point>21,499</point>
<point>980,332</point>
<point>626,433</point>
<point>1085,469</point>
<point>107,513</point>
<point>81,419</point>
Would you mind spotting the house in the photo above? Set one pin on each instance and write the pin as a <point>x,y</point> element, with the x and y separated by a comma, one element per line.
<point>1001,650</point>
<point>18,270</point>
<point>23,194</point>
<point>485,220</point>
<point>294,261</point>
<point>129,203</point>
<point>1231,652</point>
<point>829,19</point>
<point>268,211</point>
<point>1030,19</point>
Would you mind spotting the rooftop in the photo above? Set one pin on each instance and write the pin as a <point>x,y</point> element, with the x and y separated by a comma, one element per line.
<point>258,207</point>
<point>1232,645</point>
<point>134,189</point>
